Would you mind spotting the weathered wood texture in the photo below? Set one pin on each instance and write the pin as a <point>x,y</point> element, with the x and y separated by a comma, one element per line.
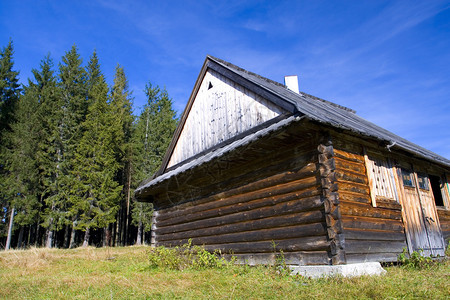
<point>328,180</point>
<point>425,234</point>
<point>371,233</point>
<point>250,163</point>
<point>221,109</point>
<point>279,202</point>
<point>310,197</point>
<point>444,218</point>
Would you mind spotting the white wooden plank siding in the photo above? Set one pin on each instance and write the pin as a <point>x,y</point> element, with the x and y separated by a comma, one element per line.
<point>221,110</point>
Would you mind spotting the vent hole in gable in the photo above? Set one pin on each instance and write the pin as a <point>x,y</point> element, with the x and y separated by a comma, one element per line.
<point>210,86</point>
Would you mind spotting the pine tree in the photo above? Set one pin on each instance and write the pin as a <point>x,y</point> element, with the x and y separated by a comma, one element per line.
<point>48,154</point>
<point>73,112</point>
<point>9,96</point>
<point>153,133</point>
<point>97,192</point>
<point>121,105</point>
<point>9,90</point>
<point>142,218</point>
<point>22,180</point>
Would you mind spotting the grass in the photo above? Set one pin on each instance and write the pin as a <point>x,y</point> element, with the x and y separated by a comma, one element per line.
<point>125,272</point>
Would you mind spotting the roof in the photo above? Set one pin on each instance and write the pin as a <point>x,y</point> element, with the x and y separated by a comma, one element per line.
<point>330,113</point>
<point>302,104</point>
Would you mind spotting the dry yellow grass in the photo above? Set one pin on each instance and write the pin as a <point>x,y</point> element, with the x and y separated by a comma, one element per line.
<point>124,273</point>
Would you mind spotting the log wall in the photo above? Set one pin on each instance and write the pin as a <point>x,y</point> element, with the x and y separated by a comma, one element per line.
<point>371,233</point>
<point>285,209</point>
<point>304,191</point>
<point>329,184</point>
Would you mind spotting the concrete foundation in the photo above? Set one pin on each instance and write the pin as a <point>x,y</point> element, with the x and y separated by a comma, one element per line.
<point>350,270</point>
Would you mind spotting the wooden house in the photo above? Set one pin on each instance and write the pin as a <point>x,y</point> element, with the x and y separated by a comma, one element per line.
<point>254,164</point>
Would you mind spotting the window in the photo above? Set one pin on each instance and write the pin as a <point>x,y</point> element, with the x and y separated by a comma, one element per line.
<point>422,181</point>
<point>407,178</point>
<point>382,179</point>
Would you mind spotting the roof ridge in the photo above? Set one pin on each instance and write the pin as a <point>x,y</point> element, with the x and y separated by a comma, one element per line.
<point>230,65</point>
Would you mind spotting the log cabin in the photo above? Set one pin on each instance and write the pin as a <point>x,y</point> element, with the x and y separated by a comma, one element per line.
<point>255,167</point>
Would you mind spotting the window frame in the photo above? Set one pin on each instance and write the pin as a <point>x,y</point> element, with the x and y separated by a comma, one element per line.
<point>405,172</point>
<point>423,178</point>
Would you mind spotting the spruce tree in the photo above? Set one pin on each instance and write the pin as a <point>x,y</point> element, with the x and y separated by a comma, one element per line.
<point>153,132</point>
<point>121,105</point>
<point>96,191</point>
<point>22,171</point>
<point>31,160</point>
<point>74,104</point>
<point>9,96</point>
<point>48,154</point>
<point>9,90</point>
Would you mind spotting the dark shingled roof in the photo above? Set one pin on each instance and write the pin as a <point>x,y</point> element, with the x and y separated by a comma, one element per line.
<point>326,112</point>
<point>301,104</point>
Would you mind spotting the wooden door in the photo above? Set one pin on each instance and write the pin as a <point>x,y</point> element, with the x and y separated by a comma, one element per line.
<point>431,218</point>
<point>419,213</point>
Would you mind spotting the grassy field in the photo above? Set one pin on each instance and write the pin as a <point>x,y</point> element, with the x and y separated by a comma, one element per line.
<point>124,272</point>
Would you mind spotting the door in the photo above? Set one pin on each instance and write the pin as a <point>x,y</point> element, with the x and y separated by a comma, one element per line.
<point>431,218</point>
<point>419,213</point>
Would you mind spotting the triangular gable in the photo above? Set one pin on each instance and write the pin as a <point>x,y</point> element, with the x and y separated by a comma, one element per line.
<point>220,109</point>
<point>276,99</point>
<point>270,99</point>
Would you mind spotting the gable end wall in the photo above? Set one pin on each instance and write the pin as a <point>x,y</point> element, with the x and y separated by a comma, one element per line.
<point>220,110</point>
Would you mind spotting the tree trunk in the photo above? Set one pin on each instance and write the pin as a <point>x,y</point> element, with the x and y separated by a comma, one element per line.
<point>29,237</point>
<point>114,233</point>
<point>86,238</point>
<point>106,236</point>
<point>37,231</point>
<point>72,236</point>
<point>49,241</point>
<point>139,234</point>
<point>66,240</point>
<point>37,237</point>
<point>119,226</point>
<point>11,223</point>
<point>33,235</point>
<point>128,201</point>
<point>20,239</point>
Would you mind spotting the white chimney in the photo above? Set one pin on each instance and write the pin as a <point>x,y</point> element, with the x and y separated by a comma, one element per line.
<point>291,82</point>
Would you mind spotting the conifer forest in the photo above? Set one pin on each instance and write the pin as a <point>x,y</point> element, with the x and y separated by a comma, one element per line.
<point>72,152</point>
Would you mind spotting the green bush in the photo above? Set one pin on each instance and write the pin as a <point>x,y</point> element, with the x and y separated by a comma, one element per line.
<point>187,256</point>
<point>416,260</point>
<point>165,258</point>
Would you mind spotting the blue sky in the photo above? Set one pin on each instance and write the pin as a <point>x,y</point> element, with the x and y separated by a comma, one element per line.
<point>388,60</point>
